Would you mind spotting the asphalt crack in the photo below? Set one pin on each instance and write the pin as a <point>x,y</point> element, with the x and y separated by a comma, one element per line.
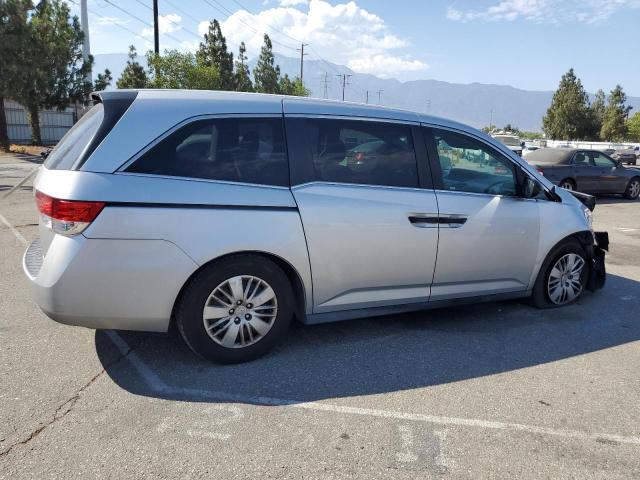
<point>67,406</point>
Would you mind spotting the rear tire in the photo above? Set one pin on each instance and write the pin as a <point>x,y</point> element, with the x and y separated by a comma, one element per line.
<point>215,315</point>
<point>559,281</point>
<point>633,189</point>
<point>568,184</point>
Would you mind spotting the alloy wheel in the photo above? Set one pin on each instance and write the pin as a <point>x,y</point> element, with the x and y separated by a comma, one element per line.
<point>564,283</point>
<point>634,189</point>
<point>567,185</point>
<point>240,311</point>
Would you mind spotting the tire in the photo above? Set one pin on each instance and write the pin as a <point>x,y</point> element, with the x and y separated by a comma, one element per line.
<point>541,296</point>
<point>633,189</point>
<point>245,331</point>
<point>567,184</point>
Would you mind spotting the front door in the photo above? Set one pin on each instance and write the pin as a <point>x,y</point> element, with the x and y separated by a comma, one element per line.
<point>609,178</point>
<point>369,220</point>
<point>585,172</point>
<point>488,234</point>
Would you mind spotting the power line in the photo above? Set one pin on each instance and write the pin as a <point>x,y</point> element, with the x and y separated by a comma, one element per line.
<point>186,14</point>
<point>166,17</point>
<point>126,12</point>
<point>116,24</point>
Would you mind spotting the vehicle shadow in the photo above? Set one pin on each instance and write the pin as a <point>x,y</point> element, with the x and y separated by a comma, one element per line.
<point>378,355</point>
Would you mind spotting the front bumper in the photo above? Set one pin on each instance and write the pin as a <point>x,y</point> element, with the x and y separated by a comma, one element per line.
<point>596,253</point>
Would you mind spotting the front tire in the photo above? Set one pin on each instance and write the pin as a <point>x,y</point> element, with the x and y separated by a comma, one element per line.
<point>633,189</point>
<point>562,277</point>
<point>235,309</point>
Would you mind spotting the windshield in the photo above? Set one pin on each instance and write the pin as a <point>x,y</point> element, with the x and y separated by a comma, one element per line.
<point>71,146</point>
<point>508,140</point>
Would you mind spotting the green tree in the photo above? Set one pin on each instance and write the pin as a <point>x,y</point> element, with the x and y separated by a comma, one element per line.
<point>266,75</point>
<point>181,70</point>
<point>569,116</point>
<point>633,128</point>
<point>213,52</point>
<point>597,113</point>
<point>133,75</point>
<point>242,75</point>
<point>103,81</point>
<point>53,73</point>
<point>292,87</point>
<point>614,126</point>
<point>14,39</point>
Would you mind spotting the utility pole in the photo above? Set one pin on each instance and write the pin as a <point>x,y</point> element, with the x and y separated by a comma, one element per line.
<point>490,119</point>
<point>428,105</point>
<point>345,82</point>
<point>325,84</point>
<point>367,97</point>
<point>86,47</point>
<point>380,97</point>
<point>156,33</point>
<point>302,54</point>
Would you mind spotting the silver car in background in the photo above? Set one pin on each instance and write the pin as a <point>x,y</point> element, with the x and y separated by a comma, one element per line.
<point>231,214</point>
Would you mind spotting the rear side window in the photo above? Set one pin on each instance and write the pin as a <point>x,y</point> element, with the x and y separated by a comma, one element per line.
<point>74,142</point>
<point>362,152</point>
<point>249,150</point>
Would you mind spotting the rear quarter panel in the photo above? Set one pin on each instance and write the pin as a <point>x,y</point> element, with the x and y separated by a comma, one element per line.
<point>204,219</point>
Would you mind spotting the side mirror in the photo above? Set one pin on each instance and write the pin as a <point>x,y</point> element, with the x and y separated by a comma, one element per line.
<point>530,188</point>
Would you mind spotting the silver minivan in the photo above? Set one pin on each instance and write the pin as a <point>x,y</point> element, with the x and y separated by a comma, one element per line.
<point>230,214</point>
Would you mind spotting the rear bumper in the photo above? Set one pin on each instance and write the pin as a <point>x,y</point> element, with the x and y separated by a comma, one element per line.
<point>113,284</point>
<point>596,254</point>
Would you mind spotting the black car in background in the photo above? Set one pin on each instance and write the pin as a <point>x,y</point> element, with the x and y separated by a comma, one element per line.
<point>626,155</point>
<point>588,171</point>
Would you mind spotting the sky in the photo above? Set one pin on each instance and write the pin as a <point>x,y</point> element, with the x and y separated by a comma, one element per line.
<point>528,44</point>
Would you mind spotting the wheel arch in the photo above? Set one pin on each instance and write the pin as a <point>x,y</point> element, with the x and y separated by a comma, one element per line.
<point>297,284</point>
<point>583,237</point>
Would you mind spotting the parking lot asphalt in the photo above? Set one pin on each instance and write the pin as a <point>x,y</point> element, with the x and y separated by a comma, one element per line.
<point>499,390</point>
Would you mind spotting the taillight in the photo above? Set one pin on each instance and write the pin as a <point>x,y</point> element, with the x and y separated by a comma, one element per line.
<point>67,217</point>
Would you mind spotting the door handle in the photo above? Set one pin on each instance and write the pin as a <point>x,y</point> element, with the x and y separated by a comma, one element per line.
<point>431,220</point>
<point>452,220</point>
<point>424,220</point>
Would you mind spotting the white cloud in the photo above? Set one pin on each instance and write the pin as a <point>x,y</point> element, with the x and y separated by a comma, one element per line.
<point>166,24</point>
<point>342,33</point>
<point>545,11</point>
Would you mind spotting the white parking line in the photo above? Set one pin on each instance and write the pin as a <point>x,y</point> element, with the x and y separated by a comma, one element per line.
<point>155,383</point>
<point>15,232</point>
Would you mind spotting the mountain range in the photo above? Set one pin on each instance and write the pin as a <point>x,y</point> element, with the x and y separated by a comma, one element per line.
<point>475,104</point>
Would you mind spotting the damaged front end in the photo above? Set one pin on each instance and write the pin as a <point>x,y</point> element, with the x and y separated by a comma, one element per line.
<point>595,244</point>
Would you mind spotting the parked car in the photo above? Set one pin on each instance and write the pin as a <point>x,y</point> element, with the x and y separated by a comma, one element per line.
<point>512,142</point>
<point>626,155</point>
<point>588,171</point>
<point>230,214</point>
<point>528,149</point>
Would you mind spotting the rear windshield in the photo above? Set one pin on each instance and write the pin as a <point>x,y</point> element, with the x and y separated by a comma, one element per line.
<point>510,141</point>
<point>71,146</point>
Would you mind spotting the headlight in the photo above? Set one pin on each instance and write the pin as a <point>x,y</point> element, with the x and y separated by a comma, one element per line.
<point>588,215</point>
